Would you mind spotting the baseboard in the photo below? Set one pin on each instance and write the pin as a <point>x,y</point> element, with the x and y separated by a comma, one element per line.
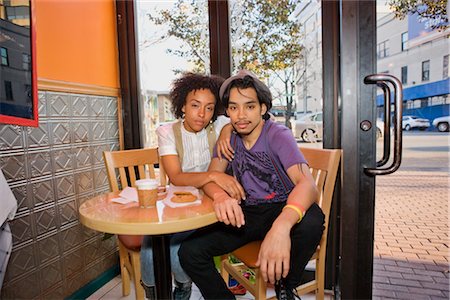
<point>95,284</point>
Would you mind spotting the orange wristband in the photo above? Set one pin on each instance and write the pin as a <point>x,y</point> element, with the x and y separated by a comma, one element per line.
<point>299,207</point>
<point>298,210</point>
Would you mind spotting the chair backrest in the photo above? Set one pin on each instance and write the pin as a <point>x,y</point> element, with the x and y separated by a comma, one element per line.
<point>131,165</point>
<point>324,164</point>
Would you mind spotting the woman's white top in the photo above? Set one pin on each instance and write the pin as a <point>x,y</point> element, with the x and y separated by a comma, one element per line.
<point>195,145</point>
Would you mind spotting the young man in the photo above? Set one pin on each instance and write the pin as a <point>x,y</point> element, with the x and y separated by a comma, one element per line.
<point>280,198</point>
<point>185,151</point>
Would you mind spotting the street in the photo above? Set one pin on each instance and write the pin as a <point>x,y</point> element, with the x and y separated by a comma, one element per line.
<point>411,246</point>
<point>423,151</point>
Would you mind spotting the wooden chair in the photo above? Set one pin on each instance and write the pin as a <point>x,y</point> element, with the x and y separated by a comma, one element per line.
<point>131,165</point>
<point>324,165</point>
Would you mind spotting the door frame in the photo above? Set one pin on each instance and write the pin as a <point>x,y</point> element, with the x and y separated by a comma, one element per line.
<point>357,197</point>
<point>349,54</point>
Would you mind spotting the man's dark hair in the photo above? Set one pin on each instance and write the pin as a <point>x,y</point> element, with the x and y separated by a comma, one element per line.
<point>243,80</point>
<point>189,82</point>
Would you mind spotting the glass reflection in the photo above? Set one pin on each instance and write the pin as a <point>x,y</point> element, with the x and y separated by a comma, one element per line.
<point>15,59</point>
<point>173,37</point>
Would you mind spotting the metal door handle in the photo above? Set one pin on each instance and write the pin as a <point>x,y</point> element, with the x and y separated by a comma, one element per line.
<point>387,124</point>
<point>382,80</point>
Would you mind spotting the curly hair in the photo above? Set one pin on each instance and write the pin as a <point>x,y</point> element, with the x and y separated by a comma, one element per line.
<point>189,82</point>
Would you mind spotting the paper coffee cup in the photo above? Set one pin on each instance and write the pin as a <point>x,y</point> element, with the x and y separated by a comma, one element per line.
<point>147,192</point>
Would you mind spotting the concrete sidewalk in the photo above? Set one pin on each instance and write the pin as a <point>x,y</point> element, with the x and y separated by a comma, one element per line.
<point>411,250</point>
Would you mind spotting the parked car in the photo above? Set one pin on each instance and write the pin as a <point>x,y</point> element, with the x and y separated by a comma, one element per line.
<point>442,123</point>
<point>411,122</point>
<point>309,127</point>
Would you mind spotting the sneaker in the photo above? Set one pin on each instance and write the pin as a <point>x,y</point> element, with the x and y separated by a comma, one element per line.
<point>238,290</point>
<point>182,291</point>
<point>283,293</point>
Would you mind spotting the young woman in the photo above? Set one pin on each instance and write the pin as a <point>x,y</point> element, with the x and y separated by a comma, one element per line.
<point>185,148</point>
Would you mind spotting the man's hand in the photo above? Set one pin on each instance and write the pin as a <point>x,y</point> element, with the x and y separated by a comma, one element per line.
<point>228,209</point>
<point>274,254</point>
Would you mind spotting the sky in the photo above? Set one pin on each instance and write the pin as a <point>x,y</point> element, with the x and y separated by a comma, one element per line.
<point>154,63</point>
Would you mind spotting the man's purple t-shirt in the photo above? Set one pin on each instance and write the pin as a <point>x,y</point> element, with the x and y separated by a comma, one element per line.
<point>257,170</point>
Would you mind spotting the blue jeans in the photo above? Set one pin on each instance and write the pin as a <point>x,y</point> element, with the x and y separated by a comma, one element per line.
<point>147,274</point>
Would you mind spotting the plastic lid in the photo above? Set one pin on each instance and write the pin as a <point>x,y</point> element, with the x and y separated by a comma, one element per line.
<point>146,184</point>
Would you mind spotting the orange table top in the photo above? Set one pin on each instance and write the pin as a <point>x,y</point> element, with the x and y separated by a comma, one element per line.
<point>101,214</point>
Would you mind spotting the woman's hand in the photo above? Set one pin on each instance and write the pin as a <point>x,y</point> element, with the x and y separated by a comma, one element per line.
<point>228,209</point>
<point>229,184</point>
<point>223,144</point>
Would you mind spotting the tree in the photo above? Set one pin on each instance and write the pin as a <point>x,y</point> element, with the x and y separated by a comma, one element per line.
<point>265,39</point>
<point>434,10</point>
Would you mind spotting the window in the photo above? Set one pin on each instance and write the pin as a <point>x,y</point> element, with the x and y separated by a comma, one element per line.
<point>445,67</point>
<point>405,75</point>
<point>404,40</point>
<point>17,12</point>
<point>382,49</point>
<point>4,56</point>
<point>28,93</point>
<point>8,91</point>
<point>426,70</point>
<point>26,61</point>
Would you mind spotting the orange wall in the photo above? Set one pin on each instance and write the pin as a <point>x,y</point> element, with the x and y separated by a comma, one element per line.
<point>76,41</point>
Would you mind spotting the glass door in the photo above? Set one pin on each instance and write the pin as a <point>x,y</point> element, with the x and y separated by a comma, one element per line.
<point>393,240</point>
<point>172,38</point>
<point>411,205</point>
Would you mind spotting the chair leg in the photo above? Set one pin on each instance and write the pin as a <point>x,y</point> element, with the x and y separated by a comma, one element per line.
<point>136,265</point>
<point>124,273</point>
<point>261,286</point>
<point>223,271</point>
<point>320,279</point>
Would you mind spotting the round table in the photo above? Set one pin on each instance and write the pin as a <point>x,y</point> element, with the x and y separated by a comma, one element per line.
<point>102,214</point>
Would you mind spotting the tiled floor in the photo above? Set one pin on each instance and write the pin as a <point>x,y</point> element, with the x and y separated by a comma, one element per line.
<point>113,291</point>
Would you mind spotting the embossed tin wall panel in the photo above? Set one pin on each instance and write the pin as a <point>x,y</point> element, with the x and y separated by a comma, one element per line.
<point>82,156</point>
<point>51,275</point>
<point>51,170</point>
<point>84,182</point>
<point>20,289</point>
<point>39,163</point>
<point>98,130</point>
<point>100,178</point>
<point>56,292</point>
<point>37,136</point>
<point>13,166</point>
<point>48,248</point>
<point>74,283</point>
<point>93,251</point>
<point>58,105</point>
<point>11,137</point>
<point>60,131</point>
<point>22,229</point>
<point>21,194</point>
<point>45,220</point>
<point>81,106</point>
<point>43,192</point>
<point>62,159</point>
<point>94,270</point>
<point>68,212</point>
<point>23,261</point>
<point>82,131</point>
